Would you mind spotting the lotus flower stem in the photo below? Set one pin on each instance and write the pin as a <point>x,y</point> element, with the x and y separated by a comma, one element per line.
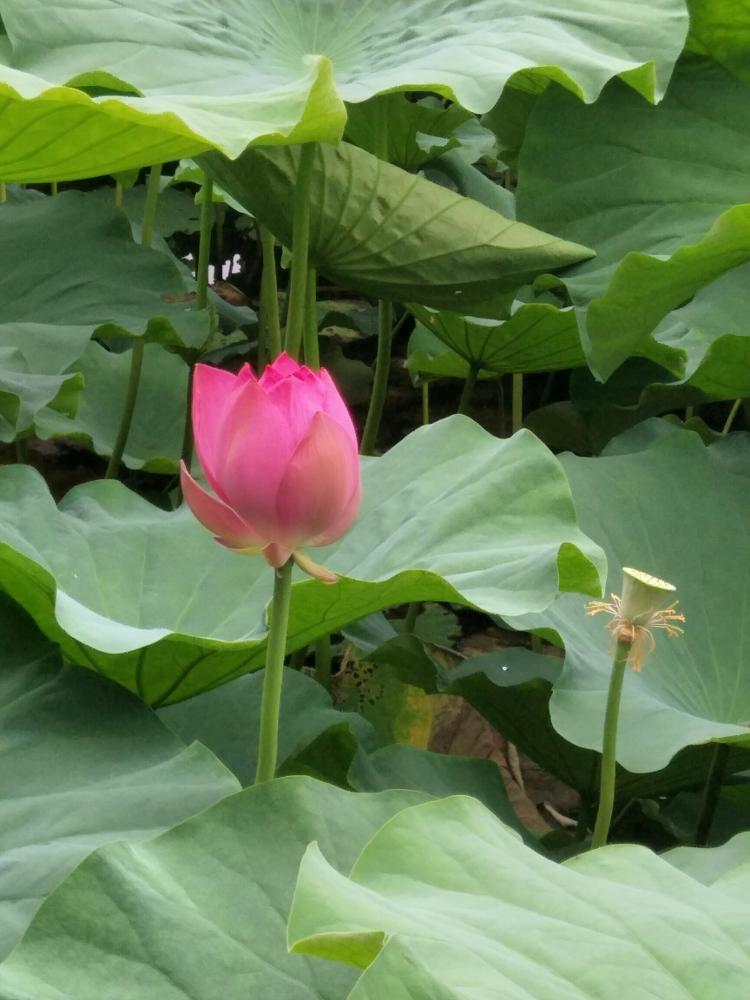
<point>22,456</point>
<point>269,344</point>
<point>323,661</point>
<point>380,380</point>
<point>425,403</point>
<point>149,209</point>
<point>204,245</point>
<point>136,354</point>
<point>126,418</point>
<point>517,402</point>
<point>412,613</point>
<point>268,740</point>
<point>468,391</point>
<point>609,744</point>
<point>311,345</point>
<point>53,188</point>
<point>732,414</point>
<point>187,433</point>
<point>711,794</point>
<point>118,194</point>
<point>295,324</point>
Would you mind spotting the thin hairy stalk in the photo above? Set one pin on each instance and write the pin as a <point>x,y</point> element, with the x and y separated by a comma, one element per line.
<point>269,342</point>
<point>470,382</point>
<point>204,245</point>
<point>517,404</point>
<point>270,709</point>
<point>311,345</point>
<point>732,414</point>
<point>295,324</point>
<point>609,745</point>
<point>380,380</point>
<point>136,354</point>
<point>711,792</point>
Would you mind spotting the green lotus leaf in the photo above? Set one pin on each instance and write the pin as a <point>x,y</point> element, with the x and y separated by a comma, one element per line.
<point>227,719</point>
<point>641,503</point>
<point>708,864</point>
<point>85,763</point>
<point>392,234</point>
<point>721,29</point>
<point>658,192</point>
<point>447,902</point>
<point>155,440</point>
<point>149,598</point>
<point>33,363</point>
<point>201,911</point>
<point>88,273</point>
<point>171,86</point>
<point>537,338</point>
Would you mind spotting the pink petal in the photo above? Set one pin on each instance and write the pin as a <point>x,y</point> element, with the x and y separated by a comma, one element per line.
<point>212,389</point>
<point>319,484</point>
<point>226,525</point>
<point>338,528</point>
<point>334,405</point>
<point>283,367</point>
<point>257,443</point>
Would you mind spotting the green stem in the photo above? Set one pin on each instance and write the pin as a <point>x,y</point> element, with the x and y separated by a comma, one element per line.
<point>323,661</point>
<point>269,345</point>
<point>149,209</point>
<point>711,792</point>
<point>118,194</point>
<point>425,403</point>
<point>136,355</point>
<point>380,381</point>
<point>412,613</point>
<point>732,414</point>
<point>268,740</point>
<point>3,193</point>
<point>295,324</point>
<point>126,418</point>
<point>468,391</point>
<point>204,245</point>
<point>517,402</point>
<point>22,456</point>
<point>311,345</point>
<point>187,432</point>
<point>609,745</point>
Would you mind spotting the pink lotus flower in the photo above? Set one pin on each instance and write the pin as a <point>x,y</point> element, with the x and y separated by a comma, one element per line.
<point>280,454</point>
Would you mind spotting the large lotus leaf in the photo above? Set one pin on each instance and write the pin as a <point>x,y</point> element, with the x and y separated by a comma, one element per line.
<point>260,72</point>
<point>537,338</point>
<point>645,509</point>
<point>155,439</point>
<point>511,688</point>
<point>379,230</point>
<point>450,514</point>
<point>447,902</point>
<point>84,763</point>
<point>33,362</point>
<point>721,29</point>
<point>402,766</point>
<point>707,864</point>
<point>227,720</point>
<point>201,911</point>
<point>427,358</point>
<point>414,132</point>
<point>87,272</point>
<point>660,193</point>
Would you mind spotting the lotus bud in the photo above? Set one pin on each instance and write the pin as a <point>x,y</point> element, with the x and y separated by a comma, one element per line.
<point>280,454</point>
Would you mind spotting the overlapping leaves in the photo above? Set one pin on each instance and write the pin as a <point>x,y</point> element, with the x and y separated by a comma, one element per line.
<point>149,598</point>
<point>171,85</point>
